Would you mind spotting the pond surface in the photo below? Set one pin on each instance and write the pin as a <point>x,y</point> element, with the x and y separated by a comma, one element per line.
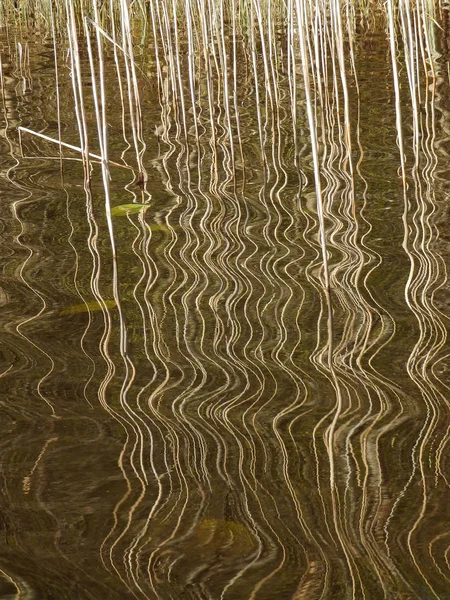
<point>196,417</point>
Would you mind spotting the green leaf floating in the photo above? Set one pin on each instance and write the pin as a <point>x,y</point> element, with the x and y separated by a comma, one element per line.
<point>87,307</point>
<point>158,227</point>
<point>227,537</point>
<point>128,209</point>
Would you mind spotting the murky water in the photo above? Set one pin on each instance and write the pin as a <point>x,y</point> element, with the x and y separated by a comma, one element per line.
<point>199,418</point>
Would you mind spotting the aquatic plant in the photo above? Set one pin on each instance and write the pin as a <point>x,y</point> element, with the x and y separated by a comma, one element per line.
<point>247,457</point>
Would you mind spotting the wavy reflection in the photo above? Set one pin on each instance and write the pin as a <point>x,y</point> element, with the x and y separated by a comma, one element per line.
<point>230,287</point>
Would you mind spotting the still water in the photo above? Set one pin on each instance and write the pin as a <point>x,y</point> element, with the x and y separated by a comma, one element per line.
<point>196,417</point>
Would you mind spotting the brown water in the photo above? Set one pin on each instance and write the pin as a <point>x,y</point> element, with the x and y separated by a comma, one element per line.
<point>199,419</point>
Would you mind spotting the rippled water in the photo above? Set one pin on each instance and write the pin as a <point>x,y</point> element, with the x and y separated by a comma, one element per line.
<point>199,418</point>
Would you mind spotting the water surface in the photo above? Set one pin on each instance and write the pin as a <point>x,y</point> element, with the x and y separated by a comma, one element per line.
<point>199,417</point>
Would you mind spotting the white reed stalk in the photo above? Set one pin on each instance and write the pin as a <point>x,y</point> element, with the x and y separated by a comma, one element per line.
<point>339,45</point>
<point>398,112</point>
<point>235,83</point>
<point>70,146</point>
<point>301,27</point>
<point>55,56</point>
<point>205,45</point>
<point>100,118</point>
<point>291,72</point>
<point>156,48</point>
<point>103,134</point>
<point>176,53</point>
<point>133,91</point>
<point>255,77</point>
<point>225,90</point>
<point>191,63</point>
<point>77,86</point>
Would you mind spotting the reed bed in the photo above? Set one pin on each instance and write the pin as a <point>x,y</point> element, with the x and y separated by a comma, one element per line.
<point>310,43</point>
<point>249,462</point>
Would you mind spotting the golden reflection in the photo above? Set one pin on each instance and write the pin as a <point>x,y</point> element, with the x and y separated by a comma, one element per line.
<point>261,330</point>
